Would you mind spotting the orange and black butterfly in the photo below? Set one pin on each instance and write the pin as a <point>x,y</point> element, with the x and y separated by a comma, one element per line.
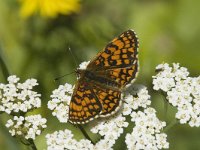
<point>98,90</point>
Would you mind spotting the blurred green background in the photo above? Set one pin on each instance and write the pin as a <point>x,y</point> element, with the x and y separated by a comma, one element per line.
<point>35,45</point>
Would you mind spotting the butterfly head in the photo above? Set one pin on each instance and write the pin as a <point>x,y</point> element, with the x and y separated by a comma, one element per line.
<point>79,72</point>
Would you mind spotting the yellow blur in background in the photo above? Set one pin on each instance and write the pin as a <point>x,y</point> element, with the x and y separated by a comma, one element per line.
<point>35,36</point>
<point>48,8</point>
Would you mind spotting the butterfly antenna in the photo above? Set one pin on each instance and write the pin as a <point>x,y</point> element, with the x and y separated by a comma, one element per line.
<point>63,76</point>
<point>73,56</point>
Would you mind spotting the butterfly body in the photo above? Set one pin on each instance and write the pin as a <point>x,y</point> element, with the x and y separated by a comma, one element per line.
<point>90,76</point>
<point>99,87</point>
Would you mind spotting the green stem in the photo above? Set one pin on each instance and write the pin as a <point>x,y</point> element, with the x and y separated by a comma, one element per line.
<point>9,140</point>
<point>165,102</point>
<point>85,133</point>
<point>170,125</point>
<point>29,143</point>
<point>3,67</point>
<point>32,144</point>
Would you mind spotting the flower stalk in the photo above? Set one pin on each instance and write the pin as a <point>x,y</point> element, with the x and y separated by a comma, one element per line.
<point>32,144</point>
<point>85,133</point>
<point>170,125</point>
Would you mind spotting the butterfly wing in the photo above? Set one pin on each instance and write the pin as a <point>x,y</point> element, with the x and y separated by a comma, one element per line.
<point>109,98</point>
<point>118,61</point>
<point>91,100</point>
<point>84,105</point>
<point>121,52</point>
<point>121,76</point>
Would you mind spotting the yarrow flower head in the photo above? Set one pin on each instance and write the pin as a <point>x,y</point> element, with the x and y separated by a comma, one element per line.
<point>168,76</point>
<point>64,140</point>
<point>26,127</point>
<point>60,102</point>
<point>147,133</point>
<point>110,130</point>
<point>16,97</point>
<point>183,92</point>
<point>135,97</point>
<point>49,8</point>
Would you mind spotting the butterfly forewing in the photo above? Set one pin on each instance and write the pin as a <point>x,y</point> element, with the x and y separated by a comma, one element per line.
<point>122,76</point>
<point>120,52</point>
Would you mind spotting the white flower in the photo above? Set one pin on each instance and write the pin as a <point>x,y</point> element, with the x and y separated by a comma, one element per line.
<point>161,141</point>
<point>184,93</point>
<point>164,79</point>
<point>104,144</point>
<point>28,127</point>
<point>15,97</point>
<point>110,129</point>
<point>61,140</point>
<point>135,97</point>
<point>13,79</point>
<point>84,64</point>
<point>60,102</point>
<point>147,132</point>
<point>9,123</point>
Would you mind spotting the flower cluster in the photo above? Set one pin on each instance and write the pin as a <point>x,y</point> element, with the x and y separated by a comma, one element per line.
<point>49,8</point>
<point>182,92</point>
<point>135,97</point>
<point>26,127</point>
<point>60,102</point>
<point>16,97</point>
<point>110,130</point>
<point>64,140</point>
<point>147,131</point>
<point>146,134</point>
<point>167,76</point>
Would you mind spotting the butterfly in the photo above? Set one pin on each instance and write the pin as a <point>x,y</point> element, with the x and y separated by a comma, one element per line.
<point>98,90</point>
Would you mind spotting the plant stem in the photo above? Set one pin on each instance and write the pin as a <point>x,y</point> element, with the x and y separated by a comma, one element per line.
<point>3,67</point>
<point>165,105</point>
<point>85,133</point>
<point>32,144</point>
<point>165,109</point>
<point>171,124</point>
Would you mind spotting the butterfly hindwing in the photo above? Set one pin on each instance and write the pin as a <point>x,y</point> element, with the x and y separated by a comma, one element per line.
<point>84,105</point>
<point>109,99</point>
